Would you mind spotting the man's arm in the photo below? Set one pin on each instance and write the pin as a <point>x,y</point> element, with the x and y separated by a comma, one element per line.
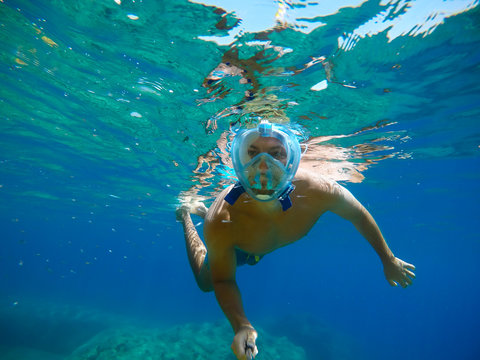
<point>397,272</point>
<point>222,262</point>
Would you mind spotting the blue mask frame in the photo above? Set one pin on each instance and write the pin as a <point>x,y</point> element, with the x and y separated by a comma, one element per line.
<point>277,174</point>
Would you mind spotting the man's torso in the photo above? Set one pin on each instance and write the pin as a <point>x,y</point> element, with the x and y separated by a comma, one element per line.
<point>261,228</point>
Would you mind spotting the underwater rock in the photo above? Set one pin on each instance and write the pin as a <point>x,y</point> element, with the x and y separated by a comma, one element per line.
<point>183,342</point>
<point>49,327</point>
<point>319,339</point>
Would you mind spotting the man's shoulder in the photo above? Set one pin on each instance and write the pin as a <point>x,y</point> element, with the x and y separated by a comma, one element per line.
<point>217,213</point>
<point>316,191</point>
<point>313,181</point>
<point>218,216</point>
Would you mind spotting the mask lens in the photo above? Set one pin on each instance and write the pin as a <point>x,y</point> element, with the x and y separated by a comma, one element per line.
<point>264,173</point>
<point>265,160</point>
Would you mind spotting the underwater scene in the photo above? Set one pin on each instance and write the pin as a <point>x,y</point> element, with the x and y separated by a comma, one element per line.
<point>114,114</point>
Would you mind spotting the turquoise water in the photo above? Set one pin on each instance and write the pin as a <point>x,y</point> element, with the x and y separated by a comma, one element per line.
<point>113,112</point>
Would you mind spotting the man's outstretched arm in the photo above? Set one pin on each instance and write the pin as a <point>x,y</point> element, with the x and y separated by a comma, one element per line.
<point>397,271</point>
<point>222,262</point>
<point>196,250</point>
<point>229,298</point>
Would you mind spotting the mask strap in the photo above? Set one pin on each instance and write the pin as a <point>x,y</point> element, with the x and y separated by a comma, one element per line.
<point>234,194</point>
<point>284,197</point>
<point>238,190</point>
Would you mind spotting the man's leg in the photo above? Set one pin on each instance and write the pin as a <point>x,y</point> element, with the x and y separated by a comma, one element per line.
<point>196,251</point>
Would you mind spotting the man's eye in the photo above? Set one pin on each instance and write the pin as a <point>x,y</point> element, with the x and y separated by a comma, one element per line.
<point>252,153</point>
<point>278,155</point>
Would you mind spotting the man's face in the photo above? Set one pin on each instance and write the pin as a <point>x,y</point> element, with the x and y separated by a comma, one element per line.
<point>265,174</point>
<point>269,145</point>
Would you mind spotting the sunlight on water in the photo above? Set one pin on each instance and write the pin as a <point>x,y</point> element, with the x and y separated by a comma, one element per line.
<point>401,18</point>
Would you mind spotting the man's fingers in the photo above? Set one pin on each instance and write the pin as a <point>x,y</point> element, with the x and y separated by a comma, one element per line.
<point>408,266</point>
<point>393,283</point>
<point>250,343</point>
<point>411,274</point>
<point>250,347</point>
<point>251,351</point>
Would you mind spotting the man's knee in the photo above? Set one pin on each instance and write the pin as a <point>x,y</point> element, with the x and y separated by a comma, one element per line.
<point>205,284</point>
<point>204,280</point>
<point>205,287</point>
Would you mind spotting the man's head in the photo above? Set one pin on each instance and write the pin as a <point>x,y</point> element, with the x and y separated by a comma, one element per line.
<point>265,159</point>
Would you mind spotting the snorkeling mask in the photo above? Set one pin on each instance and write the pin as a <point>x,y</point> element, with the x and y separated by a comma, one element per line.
<point>265,160</point>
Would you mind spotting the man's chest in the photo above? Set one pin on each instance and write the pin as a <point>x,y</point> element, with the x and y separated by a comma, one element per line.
<point>261,235</point>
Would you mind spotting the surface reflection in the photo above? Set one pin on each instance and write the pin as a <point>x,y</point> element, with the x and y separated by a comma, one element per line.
<point>321,155</point>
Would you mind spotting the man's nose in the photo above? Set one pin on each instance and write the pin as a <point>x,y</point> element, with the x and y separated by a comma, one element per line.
<point>263,165</point>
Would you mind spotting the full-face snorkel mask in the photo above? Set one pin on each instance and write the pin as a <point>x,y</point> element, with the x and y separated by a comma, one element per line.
<point>265,160</point>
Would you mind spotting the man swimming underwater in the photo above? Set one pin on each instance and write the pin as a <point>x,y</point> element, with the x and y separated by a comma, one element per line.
<point>272,205</point>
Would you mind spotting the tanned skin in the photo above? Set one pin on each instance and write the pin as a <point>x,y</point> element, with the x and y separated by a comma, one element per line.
<point>258,228</point>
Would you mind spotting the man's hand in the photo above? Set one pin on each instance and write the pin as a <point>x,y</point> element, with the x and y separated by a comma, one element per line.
<point>398,272</point>
<point>190,205</point>
<point>243,345</point>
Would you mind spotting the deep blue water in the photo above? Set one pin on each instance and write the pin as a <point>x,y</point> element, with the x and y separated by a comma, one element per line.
<point>103,117</point>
